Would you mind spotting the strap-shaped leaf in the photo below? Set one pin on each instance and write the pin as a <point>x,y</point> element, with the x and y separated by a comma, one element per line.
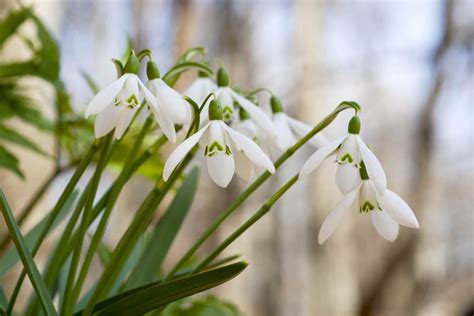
<point>10,258</point>
<point>14,137</point>
<point>10,24</point>
<point>10,162</point>
<point>165,232</point>
<point>26,258</point>
<point>154,295</point>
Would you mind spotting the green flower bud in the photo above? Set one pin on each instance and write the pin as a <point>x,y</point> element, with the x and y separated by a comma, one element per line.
<point>215,110</point>
<point>354,125</point>
<point>222,77</point>
<point>152,70</point>
<point>275,102</point>
<point>133,64</point>
<point>363,171</point>
<point>244,115</point>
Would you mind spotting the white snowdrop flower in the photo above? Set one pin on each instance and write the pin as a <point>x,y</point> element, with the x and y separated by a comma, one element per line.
<point>290,130</point>
<point>220,142</point>
<point>387,211</point>
<point>116,104</point>
<point>198,91</point>
<point>350,151</point>
<point>227,97</point>
<point>179,110</point>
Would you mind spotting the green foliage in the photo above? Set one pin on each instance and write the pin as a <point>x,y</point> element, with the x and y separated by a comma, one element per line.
<point>209,306</point>
<point>154,295</point>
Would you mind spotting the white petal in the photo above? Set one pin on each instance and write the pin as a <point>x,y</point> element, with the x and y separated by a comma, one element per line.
<point>221,169</point>
<point>257,114</point>
<point>126,116</point>
<point>106,120</point>
<point>180,152</point>
<point>347,178</point>
<point>105,96</point>
<point>250,148</point>
<point>173,101</point>
<point>285,137</point>
<point>243,166</point>
<point>301,129</point>
<point>385,225</point>
<point>334,217</point>
<point>374,168</point>
<point>317,158</point>
<point>162,116</point>
<point>398,209</point>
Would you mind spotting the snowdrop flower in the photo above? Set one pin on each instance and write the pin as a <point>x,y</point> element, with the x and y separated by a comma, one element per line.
<point>290,130</point>
<point>226,97</point>
<point>222,146</point>
<point>116,104</point>
<point>179,110</point>
<point>350,151</point>
<point>387,210</point>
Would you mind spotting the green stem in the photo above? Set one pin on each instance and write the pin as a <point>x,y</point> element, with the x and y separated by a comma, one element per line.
<point>68,302</point>
<point>252,220</point>
<point>60,257</point>
<point>121,180</point>
<point>255,185</point>
<point>142,219</point>
<point>54,214</point>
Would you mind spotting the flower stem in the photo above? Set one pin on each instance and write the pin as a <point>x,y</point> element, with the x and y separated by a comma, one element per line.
<point>142,219</point>
<point>54,214</point>
<point>254,186</point>
<point>90,193</point>
<point>252,220</point>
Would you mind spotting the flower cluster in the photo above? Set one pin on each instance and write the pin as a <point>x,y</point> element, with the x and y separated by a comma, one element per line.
<point>235,135</point>
<point>361,178</point>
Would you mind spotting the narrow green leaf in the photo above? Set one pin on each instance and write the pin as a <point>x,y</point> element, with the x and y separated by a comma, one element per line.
<point>16,138</point>
<point>10,162</point>
<point>3,299</point>
<point>26,258</point>
<point>165,232</point>
<point>191,53</point>
<point>173,74</point>
<point>90,82</point>
<point>154,295</point>
<point>209,306</point>
<point>11,257</point>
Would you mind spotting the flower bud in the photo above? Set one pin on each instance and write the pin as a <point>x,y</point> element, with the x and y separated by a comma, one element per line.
<point>222,77</point>
<point>275,102</point>
<point>152,71</point>
<point>132,65</point>
<point>354,125</point>
<point>215,110</point>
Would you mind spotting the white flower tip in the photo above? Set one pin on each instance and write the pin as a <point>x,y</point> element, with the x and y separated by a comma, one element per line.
<point>413,223</point>
<point>322,238</point>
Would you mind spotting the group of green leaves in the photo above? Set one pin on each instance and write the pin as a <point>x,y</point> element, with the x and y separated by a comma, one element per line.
<point>139,288</point>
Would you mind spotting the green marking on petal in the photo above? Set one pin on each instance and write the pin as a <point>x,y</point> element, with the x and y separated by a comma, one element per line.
<point>367,207</point>
<point>227,113</point>
<point>132,100</point>
<point>213,149</point>
<point>347,158</point>
<point>228,152</point>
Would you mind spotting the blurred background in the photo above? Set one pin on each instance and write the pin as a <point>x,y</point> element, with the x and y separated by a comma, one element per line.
<point>410,64</point>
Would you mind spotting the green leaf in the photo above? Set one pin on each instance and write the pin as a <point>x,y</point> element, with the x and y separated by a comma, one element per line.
<point>209,306</point>
<point>11,257</point>
<point>165,232</point>
<point>154,295</point>
<point>26,258</point>
<point>90,82</point>
<point>10,24</point>
<point>10,162</point>
<point>16,138</point>
<point>3,299</point>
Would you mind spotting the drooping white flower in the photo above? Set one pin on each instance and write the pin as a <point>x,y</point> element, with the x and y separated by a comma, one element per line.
<point>179,110</point>
<point>223,149</point>
<point>116,104</point>
<point>387,211</point>
<point>227,97</point>
<point>350,151</point>
<point>290,130</point>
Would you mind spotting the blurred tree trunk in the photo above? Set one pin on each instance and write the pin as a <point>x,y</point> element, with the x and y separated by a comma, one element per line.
<point>404,259</point>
